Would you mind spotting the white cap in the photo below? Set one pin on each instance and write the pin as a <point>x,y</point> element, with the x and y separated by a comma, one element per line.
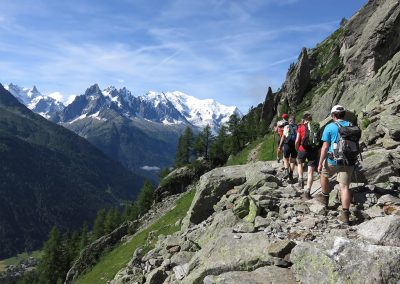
<point>337,108</point>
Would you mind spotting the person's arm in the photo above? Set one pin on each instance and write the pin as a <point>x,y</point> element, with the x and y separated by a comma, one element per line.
<point>324,151</point>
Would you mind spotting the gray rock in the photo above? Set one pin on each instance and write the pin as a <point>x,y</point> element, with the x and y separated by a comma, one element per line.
<point>268,274</point>
<point>181,258</point>
<point>281,248</point>
<point>157,276</point>
<point>212,186</point>
<point>316,207</point>
<point>388,200</point>
<point>382,231</point>
<point>377,166</point>
<point>308,223</point>
<point>181,271</point>
<point>261,222</point>
<point>241,208</point>
<point>375,211</point>
<point>129,275</point>
<point>225,253</point>
<point>340,260</point>
<point>391,125</point>
<point>244,227</point>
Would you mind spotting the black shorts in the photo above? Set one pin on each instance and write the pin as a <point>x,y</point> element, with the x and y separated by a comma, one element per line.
<point>312,158</point>
<point>289,150</point>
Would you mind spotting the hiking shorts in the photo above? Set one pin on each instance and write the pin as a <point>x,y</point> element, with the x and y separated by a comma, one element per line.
<point>289,150</point>
<point>344,173</point>
<point>311,156</point>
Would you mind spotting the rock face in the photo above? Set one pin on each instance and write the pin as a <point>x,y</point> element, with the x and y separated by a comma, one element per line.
<point>269,107</point>
<point>297,80</point>
<point>356,66</point>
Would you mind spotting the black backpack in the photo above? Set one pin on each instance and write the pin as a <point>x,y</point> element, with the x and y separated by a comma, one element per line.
<point>312,137</point>
<point>347,148</point>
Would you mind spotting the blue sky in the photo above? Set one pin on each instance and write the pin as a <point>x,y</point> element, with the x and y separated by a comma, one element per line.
<point>230,51</point>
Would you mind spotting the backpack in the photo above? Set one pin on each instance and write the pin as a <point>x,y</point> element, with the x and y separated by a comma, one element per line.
<point>290,133</point>
<point>347,148</point>
<point>312,137</point>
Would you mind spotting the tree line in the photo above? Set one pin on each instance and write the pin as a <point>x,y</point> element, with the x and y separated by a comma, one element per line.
<point>61,250</point>
<point>230,139</point>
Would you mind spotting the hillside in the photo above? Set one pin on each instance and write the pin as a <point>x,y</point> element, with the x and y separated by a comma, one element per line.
<point>247,224</point>
<point>50,177</point>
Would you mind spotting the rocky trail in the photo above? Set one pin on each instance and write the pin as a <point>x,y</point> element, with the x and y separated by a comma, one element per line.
<point>247,223</point>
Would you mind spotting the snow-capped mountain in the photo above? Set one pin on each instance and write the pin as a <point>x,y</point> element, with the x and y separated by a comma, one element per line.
<point>166,108</point>
<point>34,100</point>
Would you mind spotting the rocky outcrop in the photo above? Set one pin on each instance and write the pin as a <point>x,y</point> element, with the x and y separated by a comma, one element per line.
<point>269,107</point>
<point>297,80</point>
<point>178,180</point>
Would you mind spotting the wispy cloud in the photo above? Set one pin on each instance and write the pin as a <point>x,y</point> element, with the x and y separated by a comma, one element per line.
<point>228,50</point>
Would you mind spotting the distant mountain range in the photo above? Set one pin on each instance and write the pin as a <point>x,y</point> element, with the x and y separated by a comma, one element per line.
<point>141,132</point>
<point>49,176</point>
<point>166,108</point>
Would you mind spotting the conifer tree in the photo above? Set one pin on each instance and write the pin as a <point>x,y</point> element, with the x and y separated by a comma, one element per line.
<point>145,198</point>
<point>218,149</point>
<point>202,142</point>
<point>49,269</point>
<point>234,129</point>
<point>99,224</point>
<point>84,238</point>
<point>184,150</point>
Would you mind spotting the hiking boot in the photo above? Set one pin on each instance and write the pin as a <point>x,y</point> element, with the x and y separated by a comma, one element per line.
<point>291,176</point>
<point>301,183</point>
<point>323,199</point>
<point>307,195</point>
<point>287,175</point>
<point>344,217</point>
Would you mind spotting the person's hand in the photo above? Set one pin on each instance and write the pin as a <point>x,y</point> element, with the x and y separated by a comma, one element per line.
<point>279,149</point>
<point>319,170</point>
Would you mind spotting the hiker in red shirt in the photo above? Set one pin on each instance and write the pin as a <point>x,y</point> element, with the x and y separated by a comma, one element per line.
<point>307,146</point>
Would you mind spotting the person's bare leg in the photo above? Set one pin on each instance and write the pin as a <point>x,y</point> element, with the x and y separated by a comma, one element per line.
<point>300,171</point>
<point>323,198</point>
<point>346,200</point>
<point>345,195</point>
<point>310,177</point>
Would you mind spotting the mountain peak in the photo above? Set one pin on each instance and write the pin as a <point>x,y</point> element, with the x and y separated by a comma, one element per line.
<point>93,90</point>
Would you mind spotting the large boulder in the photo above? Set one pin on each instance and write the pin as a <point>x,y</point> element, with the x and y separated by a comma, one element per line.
<point>340,260</point>
<point>377,166</point>
<point>267,274</point>
<point>216,183</point>
<point>212,186</point>
<point>381,231</point>
<point>390,124</point>
<point>226,253</point>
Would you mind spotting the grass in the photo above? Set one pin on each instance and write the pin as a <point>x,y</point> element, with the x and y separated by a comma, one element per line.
<point>17,259</point>
<point>110,263</point>
<point>266,152</point>
<point>241,157</point>
<point>268,148</point>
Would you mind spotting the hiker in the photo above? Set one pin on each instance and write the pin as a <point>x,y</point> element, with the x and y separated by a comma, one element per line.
<point>333,160</point>
<point>278,128</point>
<point>307,146</point>
<point>287,143</point>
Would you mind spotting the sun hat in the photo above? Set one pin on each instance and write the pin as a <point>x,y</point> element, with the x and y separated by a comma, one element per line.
<point>337,108</point>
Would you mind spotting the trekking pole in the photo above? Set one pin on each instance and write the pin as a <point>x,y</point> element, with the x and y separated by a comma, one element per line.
<point>273,146</point>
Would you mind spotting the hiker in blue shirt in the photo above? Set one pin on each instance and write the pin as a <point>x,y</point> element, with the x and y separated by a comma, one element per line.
<point>328,166</point>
